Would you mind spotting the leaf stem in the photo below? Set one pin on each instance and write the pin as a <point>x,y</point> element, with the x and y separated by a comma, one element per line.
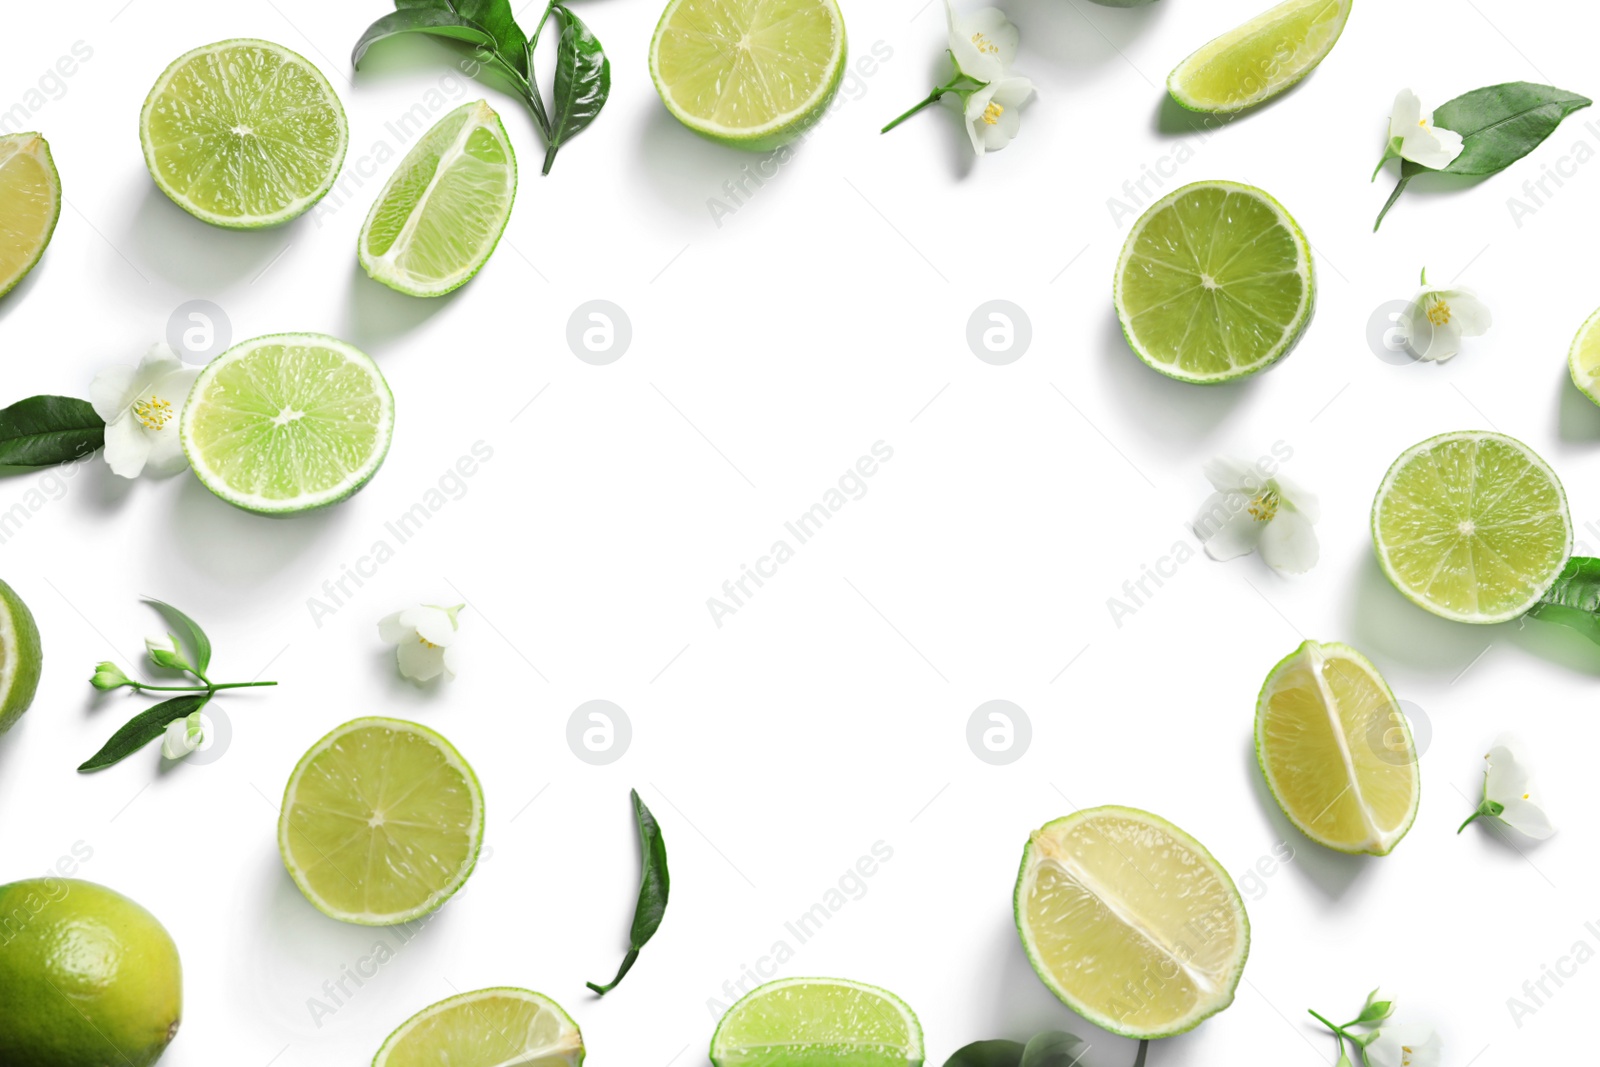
<point>956,84</point>
<point>627,965</point>
<point>207,688</point>
<point>1144,1049</point>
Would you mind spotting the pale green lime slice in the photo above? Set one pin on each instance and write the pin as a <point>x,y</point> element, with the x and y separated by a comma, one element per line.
<point>1260,59</point>
<point>1472,526</point>
<point>30,203</point>
<point>487,1028</point>
<point>381,822</point>
<point>21,657</point>
<point>1130,921</point>
<point>1583,360</point>
<point>243,133</point>
<point>1336,749</point>
<point>1214,283</point>
<point>287,423</point>
<point>753,74</point>
<point>818,1022</point>
<point>443,210</point>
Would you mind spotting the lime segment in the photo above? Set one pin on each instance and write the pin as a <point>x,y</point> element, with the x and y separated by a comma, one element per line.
<point>1214,283</point>
<point>487,1028</point>
<point>1336,749</point>
<point>1583,360</point>
<point>381,822</point>
<point>21,657</point>
<point>243,133</point>
<point>818,1022</point>
<point>1130,922</point>
<point>1260,59</point>
<point>1472,526</point>
<point>30,203</point>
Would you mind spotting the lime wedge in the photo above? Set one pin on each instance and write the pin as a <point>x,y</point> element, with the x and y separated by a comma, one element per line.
<point>1260,59</point>
<point>488,1028</point>
<point>1130,922</point>
<point>243,134</point>
<point>287,423</point>
<point>30,203</point>
<point>1214,283</point>
<point>1584,359</point>
<point>818,1022</point>
<point>446,205</point>
<point>1336,749</point>
<point>21,657</point>
<point>381,822</point>
<point>752,74</point>
<point>1472,526</point>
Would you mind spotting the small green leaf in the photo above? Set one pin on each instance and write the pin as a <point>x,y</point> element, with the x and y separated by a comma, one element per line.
<point>495,17</point>
<point>43,431</point>
<point>1499,124</point>
<point>143,729</point>
<point>199,643</point>
<point>1054,1048</point>
<point>436,21</point>
<point>999,1053</point>
<point>654,886</point>
<point>582,82</point>
<point>1574,599</point>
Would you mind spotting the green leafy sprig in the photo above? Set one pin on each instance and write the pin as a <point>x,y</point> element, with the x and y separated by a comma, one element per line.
<point>1053,1048</point>
<point>1574,599</point>
<point>151,723</point>
<point>43,431</point>
<point>654,885</point>
<point>1373,1012</point>
<point>583,73</point>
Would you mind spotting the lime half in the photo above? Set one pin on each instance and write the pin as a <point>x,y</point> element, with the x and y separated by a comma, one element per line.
<point>1336,749</point>
<point>381,822</point>
<point>30,203</point>
<point>21,657</point>
<point>287,423</point>
<point>1472,526</point>
<point>818,1022</point>
<point>1260,59</point>
<point>1214,283</point>
<point>1130,922</point>
<point>488,1028</point>
<point>243,134</point>
<point>444,208</point>
<point>1584,359</point>
<point>753,74</point>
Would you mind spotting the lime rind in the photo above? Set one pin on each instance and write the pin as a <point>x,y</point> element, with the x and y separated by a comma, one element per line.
<point>720,1056</point>
<point>1585,377</point>
<point>1098,1018</point>
<point>1271,86</point>
<point>21,657</point>
<point>572,1056</point>
<point>36,145</point>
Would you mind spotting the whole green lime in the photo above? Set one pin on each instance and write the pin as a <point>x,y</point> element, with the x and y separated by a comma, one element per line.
<point>88,978</point>
<point>20,657</point>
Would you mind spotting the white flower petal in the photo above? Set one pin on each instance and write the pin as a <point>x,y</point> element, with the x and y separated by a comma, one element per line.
<point>1526,817</point>
<point>1405,1046</point>
<point>448,661</point>
<point>1407,112</point>
<point>111,392</point>
<point>1467,311</point>
<point>1506,776</point>
<point>1299,497</point>
<point>392,631</point>
<point>431,623</point>
<point>1227,473</point>
<point>419,662</point>
<point>1450,145</point>
<point>127,446</point>
<point>983,44</point>
<point>1239,536</point>
<point>1289,543</point>
<point>166,454</point>
<point>1424,146</point>
<point>177,742</point>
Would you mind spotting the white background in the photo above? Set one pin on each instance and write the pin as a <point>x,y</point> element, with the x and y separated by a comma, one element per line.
<point>828,313</point>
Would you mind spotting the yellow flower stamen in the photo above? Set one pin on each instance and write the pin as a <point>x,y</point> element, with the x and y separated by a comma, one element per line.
<point>991,114</point>
<point>984,45</point>
<point>153,413</point>
<point>1438,312</point>
<point>1264,508</point>
<point>426,643</point>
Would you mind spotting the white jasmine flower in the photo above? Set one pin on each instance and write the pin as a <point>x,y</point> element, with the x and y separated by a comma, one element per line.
<point>183,736</point>
<point>982,48</point>
<point>994,113</point>
<point>1413,136</point>
<point>141,407</point>
<point>1437,320</point>
<point>1404,1046</point>
<point>424,637</point>
<point>983,44</point>
<point>1508,793</point>
<point>1250,511</point>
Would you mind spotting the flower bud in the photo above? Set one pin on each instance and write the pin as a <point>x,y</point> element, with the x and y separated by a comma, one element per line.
<point>167,653</point>
<point>183,736</point>
<point>108,675</point>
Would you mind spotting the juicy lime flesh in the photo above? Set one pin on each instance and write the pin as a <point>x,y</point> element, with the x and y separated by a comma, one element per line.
<point>21,659</point>
<point>490,1028</point>
<point>30,200</point>
<point>1584,359</point>
<point>287,420</point>
<point>244,130</point>
<point>445,208</point>
<point>1214,283</point>
<point>740,65</point>
<point>1336,750</point>
<point>1473,526</point>
<point>817,1023</point>
<point>1130,922</point>
<point>1262,57</point>
<point>381,821</point>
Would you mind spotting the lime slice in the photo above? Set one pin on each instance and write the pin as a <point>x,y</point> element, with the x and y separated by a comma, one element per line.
<point>21,657</point>
<point>488,1028</point>
<point>30,203</point>
<point>381,822</point>
<point>243,134</point>
<point>1472,526</point>
<point>287,423</point>
<point>752,74</point>
<point>818,1022</point>
<point>1130,921</point>
<point>1260,59</point>
<point>1336,749</point>
<point>1214,283</point>
<point>446,205</point>
<point>1584,359</point>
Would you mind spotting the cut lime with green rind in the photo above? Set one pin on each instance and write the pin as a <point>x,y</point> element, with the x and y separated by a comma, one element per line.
<point>381,822</point>
<point>1583,359</point>
<point>243,134</point>
<point>30,205</point>
<point>287,423</point>
<point>1336,750</point>
<point>1130,922</point>
<point>1253,63</point>
<point>441,214</point>
<point>1215,283</point>
<point>751,74</point>
<point>1472,526</point>
<point>818,1022</point>
<point>486,1028</point>
<point>21,657</point>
